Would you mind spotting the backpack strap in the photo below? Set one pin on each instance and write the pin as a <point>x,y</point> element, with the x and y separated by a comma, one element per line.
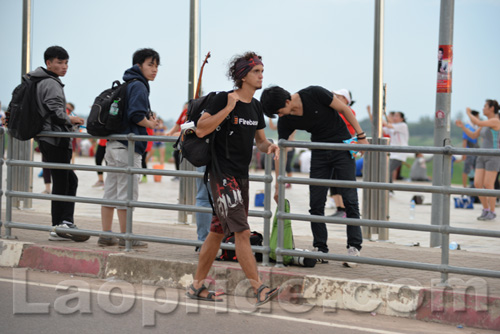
<point>205,181</point>
<point>47,114</point>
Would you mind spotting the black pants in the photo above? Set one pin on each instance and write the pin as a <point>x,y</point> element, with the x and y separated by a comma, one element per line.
<point>64,182</point>
<point>322,165</point>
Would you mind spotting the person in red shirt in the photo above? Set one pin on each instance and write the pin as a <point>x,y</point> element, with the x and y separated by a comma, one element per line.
<point>144,163</point>
<point>176,131</point>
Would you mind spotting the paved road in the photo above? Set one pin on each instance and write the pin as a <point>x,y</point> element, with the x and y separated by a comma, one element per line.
<point>36,302</point>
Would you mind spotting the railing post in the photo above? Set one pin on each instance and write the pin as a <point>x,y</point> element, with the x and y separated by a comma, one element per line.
<point>442,116</point>
<point>367,193</point>
<point>2,152</point>
<point>281,206</point>
<point>187,185</point>
<point>8,197</point>
<point>445,237</point>
<point>268,191</point>
<point>383,195</point>
<point>23,150</point>
<point>130,190</point>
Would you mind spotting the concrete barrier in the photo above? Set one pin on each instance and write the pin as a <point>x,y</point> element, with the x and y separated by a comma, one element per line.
<point>64,260</point>
<point>10,252</point>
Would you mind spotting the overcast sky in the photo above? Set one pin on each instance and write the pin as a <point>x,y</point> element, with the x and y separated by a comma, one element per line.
<point>302,42</point>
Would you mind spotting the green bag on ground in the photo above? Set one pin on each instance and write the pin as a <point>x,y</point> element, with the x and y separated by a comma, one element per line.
<point>287,236</point>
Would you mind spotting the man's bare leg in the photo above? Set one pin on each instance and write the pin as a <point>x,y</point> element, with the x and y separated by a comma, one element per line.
<point>107,217</point>
<point>122,219</point>
<point>247,261</point>
<point>206,258</point>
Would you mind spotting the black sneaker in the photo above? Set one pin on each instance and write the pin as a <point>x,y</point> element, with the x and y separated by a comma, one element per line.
<point>74,237</point>
<point>339,213</point>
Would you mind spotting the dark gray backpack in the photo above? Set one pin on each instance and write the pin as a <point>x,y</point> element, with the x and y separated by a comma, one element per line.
<point>23,117</point>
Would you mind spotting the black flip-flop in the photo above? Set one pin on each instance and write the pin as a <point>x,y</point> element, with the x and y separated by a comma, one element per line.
<point>211,297</point>
<point>268,295</point>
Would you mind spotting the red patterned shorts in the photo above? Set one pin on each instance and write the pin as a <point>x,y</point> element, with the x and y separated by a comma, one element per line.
<point>230,197</point>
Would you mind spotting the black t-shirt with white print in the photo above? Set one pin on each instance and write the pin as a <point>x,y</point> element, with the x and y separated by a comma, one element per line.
<point>245,120</point>
<point>319,119</point>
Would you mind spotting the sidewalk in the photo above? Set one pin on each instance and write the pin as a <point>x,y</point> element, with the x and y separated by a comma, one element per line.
<point>326,284</point>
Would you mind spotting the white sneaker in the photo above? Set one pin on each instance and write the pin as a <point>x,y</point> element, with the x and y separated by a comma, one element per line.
<point>484,213</point>
<point>75,237</point>
<point>490,216</point>
<point>54,237</point>
<point>330,203</point>
<point>351,251</point>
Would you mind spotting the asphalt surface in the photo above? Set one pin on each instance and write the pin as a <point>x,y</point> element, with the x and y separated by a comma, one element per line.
<point>36,302</point>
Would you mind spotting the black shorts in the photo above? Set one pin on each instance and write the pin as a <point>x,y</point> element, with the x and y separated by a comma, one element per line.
<point>230,198</point>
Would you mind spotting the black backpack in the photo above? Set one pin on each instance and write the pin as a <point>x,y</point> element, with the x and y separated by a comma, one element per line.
<point>198,151</point>
<point>23,117</point>
<point>106,114</point>
<point>230,255</point>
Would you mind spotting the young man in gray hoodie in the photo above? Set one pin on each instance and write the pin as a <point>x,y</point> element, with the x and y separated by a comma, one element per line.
<point>52,105</point>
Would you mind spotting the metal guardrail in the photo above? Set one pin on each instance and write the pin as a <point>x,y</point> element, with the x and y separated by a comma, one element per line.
<point>266,214</point>
<point>444,229</point>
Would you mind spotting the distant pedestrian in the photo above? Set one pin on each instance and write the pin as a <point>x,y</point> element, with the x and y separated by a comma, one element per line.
<point>144,158</point>
<point>469,160</point>
<point>418,171</point>
<point>203,219</point>
<point>487,167</point>
<point>99,158</point>
<point>176,131</point>
<point>75,142</point>
<point>397,129</point>
<point>158,146</point>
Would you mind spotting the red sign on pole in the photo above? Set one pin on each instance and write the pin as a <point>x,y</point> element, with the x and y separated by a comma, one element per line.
<point>445,64</point>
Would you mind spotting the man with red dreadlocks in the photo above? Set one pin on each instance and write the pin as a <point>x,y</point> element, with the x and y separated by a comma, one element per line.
<point>229,181</point>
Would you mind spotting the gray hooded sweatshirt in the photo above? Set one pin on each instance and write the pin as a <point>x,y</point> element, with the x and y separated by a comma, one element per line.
<point>52,106</point>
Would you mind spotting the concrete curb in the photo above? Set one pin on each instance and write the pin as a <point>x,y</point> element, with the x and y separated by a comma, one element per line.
<point>362,296</point>
<point>462,308</point>
<point>64,260</point>
<point>401,298</point>
<point>179,275</point>
<point>11,252</point>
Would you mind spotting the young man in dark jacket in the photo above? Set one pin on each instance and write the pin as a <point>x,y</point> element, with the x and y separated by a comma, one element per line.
<point>138,117</point>
<point>317,111</point>
<point>52,105</point>
<point>229,184</point>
